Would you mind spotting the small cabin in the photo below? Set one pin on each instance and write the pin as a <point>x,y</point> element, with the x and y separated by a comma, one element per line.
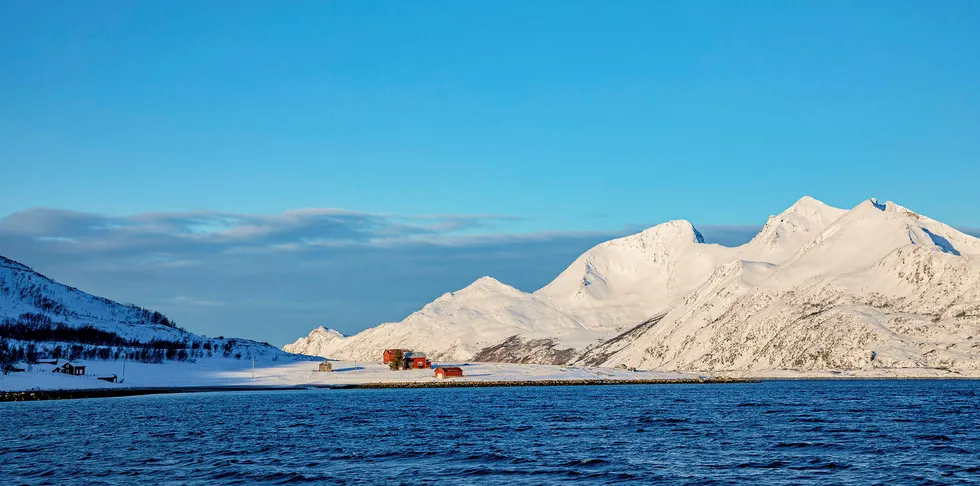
<point>325,367</point>
<point>110,379</point>
<point>15,368</point>
<point>449,372</point>
<point>69,369</point>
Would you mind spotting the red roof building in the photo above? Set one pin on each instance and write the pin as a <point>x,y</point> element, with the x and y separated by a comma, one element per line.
<point>449,372</point>
<point>389,354</point>
<point>410,359</point>
<point>420,363</point>
<point>417,360</point>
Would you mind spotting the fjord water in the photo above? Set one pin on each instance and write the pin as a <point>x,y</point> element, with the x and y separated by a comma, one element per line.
<point>843,432</point>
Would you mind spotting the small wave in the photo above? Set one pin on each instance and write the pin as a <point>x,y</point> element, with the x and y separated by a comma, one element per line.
<point>664,420</point>
<point>798,445</point>
<point>810,420</point>
<point>934,438</point>
<point>487,457</point>
<point>633,438</point>
<point>487,471</point>
<point>288,478</point>
<point>817,465</point>
<point>585,462</point>
<point>763,465</point>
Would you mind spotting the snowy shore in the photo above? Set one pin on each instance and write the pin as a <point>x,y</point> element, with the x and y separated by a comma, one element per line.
<point>224,372</point>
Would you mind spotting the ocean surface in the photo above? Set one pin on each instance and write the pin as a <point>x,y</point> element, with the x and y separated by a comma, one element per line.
<point>780,432</point>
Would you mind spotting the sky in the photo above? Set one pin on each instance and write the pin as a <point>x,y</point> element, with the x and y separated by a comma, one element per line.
<point>258,169</point>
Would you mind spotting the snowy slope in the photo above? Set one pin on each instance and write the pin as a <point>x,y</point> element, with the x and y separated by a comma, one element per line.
<point>880,288</point>
<point>623,281</point>
<point>658,298</point>
<point>457,325</point>
<point>628,280</point>
<point>785,234</point>
<point>319,342</point>
<point>24,291</point>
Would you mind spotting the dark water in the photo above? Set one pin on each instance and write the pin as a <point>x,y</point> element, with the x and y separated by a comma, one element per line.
<point>852,432</point>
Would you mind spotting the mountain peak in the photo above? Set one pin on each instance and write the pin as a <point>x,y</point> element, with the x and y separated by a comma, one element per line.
<point>484,285</point>
<point>814,209</point>
<point>806,203</point>
<point>895,208</point>
<point>487,280</point>
<point>327,332</point>
<point>888,207</point>
<point>674,228</point>
<point>784,234</point>
<point>316,342</point>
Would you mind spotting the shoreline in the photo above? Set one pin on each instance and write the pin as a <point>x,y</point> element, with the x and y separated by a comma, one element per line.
<point>865,378</point>
<point>82,393</point>
<point>530,383</point>
<point>39,395</point>
<point>75,394</point>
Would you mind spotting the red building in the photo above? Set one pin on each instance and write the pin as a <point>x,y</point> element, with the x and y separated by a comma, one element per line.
<point>449,372</point>
<point>410,359</point>
<point>417,360</point>
<point>389,354</point>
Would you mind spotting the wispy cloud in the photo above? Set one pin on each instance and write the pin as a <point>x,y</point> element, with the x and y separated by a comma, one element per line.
<point>192,232</point>
<point>274,277</point>
<point>191,302</point>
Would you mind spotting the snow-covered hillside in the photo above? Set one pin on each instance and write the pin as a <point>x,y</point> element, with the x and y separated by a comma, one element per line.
<point>23,290</point>
<point>881,287</point>
<point>456,325</point>
<point>33,305</point>
<point>874,287</point>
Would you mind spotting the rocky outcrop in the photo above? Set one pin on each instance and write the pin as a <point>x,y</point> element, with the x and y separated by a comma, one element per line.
<point>519,350</point>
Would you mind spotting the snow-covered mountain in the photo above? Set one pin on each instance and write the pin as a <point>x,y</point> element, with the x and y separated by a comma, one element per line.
<point>817,288</point>
<point>881,287</point>
<point>31,303</point>
<point>457,324</point>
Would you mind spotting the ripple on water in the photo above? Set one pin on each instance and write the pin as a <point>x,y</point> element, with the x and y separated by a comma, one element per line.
<point>780,432</point>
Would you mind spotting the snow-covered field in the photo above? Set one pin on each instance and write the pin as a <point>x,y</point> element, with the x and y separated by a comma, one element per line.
<point>232,372</point>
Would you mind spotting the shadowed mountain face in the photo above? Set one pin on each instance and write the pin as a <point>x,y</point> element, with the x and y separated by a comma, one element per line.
<point>39,312</point>
<point>876,286</point>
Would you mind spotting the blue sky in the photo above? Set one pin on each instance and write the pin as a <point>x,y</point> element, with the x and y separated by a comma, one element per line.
<point>527,130</point>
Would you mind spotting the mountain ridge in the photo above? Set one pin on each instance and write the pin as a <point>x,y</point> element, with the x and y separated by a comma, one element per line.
<point>830,283</point>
